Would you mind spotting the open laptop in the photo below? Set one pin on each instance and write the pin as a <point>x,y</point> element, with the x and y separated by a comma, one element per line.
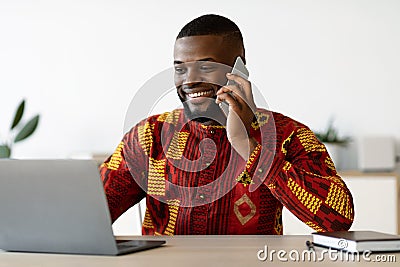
<point>58,206</point>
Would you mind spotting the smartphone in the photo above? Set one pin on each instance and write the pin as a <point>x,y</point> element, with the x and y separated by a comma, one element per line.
<point>240,69</point>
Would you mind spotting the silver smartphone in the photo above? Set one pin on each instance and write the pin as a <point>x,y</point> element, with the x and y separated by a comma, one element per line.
<point>240,69</point>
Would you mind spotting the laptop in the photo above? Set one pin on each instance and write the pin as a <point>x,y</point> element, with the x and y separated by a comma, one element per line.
<point>58,206</point>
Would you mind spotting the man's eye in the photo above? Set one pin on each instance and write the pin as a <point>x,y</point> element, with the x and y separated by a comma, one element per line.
<point>207,68</point>
<point>179,70</point>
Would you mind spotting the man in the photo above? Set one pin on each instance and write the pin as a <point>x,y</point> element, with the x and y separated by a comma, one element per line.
<point>204,173</point>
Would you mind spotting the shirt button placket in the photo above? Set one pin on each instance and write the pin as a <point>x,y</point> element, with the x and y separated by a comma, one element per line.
<point>204,193</point>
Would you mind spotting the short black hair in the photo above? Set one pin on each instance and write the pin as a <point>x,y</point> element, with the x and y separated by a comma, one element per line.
<point>212,24</point>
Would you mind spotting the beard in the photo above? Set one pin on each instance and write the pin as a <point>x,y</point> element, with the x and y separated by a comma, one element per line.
<point>212,113</point>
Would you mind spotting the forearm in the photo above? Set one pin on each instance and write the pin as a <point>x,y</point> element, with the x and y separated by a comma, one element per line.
<point>311,191</point>
<point>322,202</point>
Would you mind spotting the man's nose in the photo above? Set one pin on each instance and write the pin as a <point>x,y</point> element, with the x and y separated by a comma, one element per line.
<point>192,76</point>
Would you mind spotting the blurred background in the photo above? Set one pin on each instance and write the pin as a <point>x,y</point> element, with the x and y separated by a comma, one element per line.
<point>79,63</point>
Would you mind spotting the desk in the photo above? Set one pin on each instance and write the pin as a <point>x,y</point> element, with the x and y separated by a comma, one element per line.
<point>192,251</point>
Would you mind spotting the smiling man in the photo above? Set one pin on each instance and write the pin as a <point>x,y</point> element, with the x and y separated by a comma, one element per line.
<point>202,172</point>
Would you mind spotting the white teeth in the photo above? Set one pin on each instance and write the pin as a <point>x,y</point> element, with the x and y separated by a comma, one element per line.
<point>194,95</point>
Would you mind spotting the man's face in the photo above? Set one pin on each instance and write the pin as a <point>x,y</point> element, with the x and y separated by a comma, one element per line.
<point>201,63</point>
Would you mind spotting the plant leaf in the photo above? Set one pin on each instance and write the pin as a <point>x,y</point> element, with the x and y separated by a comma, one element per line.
<point>18,114</point>
<point>28,129</point>
<point>5,151</point>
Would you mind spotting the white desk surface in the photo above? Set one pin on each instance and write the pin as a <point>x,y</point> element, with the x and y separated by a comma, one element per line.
<point>192,251</point>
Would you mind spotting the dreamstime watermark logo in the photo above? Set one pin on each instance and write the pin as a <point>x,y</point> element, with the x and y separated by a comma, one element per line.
<point>330,254</point>
<point>342,244</point>
<point>159,88</point>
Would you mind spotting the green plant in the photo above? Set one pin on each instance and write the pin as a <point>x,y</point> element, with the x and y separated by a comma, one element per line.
<point>330,135</point>
<point>18,131</point>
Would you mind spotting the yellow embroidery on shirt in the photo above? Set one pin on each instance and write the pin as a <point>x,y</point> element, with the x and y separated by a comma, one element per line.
<point>271,186</point>
<point>177,146</point>
<point>335,179</point>
<point>245,178</point>
<point>244,200</point>
<point>147,222</point>
<point>278,221</point>
<point>212,126</point>
<point>170,117</point>
<point>145,133</point>
<point>315,227</point>
<point>262,119</point>
<point>116,158</point>
<point>307,199</point>
<point>339,201</point>
<point>287,166</point>
<point>156,180</point>
<point>309,141</point>
<point>285,143</point>
<point>329,163</point>
<point>173,206</point>
<point>252,157</point>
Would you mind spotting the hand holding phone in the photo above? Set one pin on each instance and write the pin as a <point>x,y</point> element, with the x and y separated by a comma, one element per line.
<point>240,69</point>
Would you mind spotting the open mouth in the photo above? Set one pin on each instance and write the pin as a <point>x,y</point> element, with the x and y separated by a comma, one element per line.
<point>208,93</point>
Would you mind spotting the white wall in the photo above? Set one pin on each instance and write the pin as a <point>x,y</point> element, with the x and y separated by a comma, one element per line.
<point>79,63</point>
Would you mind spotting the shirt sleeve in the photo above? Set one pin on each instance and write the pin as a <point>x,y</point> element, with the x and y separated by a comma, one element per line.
<point>124,173</point>
<point>302,176</point>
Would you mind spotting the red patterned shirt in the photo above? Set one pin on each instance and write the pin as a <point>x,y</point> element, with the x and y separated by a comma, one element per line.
<point>195,183</point>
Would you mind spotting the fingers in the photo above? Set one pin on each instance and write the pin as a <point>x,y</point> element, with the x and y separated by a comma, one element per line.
<point>242,82</point>
<point>238,88</point>
<point>227,97</point>
<point>240,91</point>
<point>231,89</point>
